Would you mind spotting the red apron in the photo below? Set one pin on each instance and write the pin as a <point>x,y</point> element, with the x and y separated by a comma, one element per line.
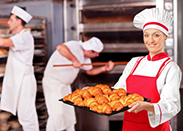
<point>146,87</point>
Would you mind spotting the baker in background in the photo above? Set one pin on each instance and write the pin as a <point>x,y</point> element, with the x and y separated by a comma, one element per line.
<point>57,80</point>
<point>19,83</point>
<point>154,76</point>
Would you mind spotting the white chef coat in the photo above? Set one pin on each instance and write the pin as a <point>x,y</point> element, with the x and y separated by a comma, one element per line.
<point>19,84</point>
<point>56,85</point>
<point>168,84</point>
<point>66,75</point>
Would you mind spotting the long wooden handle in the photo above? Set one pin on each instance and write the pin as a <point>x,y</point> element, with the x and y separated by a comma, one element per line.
<point>94,64</point>
<point>4,23</point>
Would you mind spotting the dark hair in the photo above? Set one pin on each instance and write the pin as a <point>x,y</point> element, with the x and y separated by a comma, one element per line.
<point>23,22</point>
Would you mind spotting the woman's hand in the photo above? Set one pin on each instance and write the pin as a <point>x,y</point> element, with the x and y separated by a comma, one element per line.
<point>141,105</point>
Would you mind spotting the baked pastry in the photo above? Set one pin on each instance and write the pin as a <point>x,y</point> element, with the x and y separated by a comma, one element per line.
<point>95,91</point>
<point>105,108</point>
<point>136,97</point>
<point>127,100</point>
<point>77,99</point>
<point>116,105</point>
<point>101,99</point>
<point>90,102</point>
<point>121,92</point>
<point>113,96</point>
<point>105,88</point>
<point>3,51</point>
<point>77,91</point>
<point>85,93</point>
<point>67,97</point>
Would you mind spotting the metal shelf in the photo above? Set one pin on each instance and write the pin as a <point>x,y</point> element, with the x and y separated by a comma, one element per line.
<point>117,69</point>
<point>124,48</point>
<point>100,4</point>
<point>108,27</point>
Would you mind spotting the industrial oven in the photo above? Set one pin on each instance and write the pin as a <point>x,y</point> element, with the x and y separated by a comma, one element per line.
<point>112,22</point>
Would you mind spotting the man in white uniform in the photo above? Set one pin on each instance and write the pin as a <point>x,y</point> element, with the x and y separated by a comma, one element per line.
<point>19,84</point>
<point>57,80</point>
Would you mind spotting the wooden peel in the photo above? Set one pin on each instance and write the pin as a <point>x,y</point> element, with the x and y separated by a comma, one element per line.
<point>4,23</point>
<point>94,64</point>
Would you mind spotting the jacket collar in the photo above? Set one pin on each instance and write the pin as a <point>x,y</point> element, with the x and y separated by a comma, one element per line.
<point>157,56</point>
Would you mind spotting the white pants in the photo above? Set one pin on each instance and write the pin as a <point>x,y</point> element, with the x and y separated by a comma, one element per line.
<point>50,126</point>
<point>61,116</point>
<point>26,111</point>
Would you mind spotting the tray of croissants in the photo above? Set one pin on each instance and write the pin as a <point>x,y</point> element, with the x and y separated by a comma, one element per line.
<point>101,99</point>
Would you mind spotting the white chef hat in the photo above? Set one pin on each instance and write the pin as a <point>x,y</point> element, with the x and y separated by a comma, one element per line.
<point>21,13</point>
<point>153,18</point>
<point>93,44</point>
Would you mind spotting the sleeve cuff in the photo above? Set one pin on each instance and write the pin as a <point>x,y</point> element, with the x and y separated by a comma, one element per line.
<point>155,118</point>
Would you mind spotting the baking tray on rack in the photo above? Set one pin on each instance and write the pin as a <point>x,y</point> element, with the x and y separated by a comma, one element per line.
<point>88,109</point>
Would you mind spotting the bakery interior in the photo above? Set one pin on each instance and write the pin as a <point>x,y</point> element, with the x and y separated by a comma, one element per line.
<point>57,21</point>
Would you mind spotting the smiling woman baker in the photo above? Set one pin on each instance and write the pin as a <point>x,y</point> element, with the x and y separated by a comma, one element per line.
<point>154,76</point>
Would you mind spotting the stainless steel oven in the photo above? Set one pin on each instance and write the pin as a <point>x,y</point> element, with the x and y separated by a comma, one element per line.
<point>112,22</point>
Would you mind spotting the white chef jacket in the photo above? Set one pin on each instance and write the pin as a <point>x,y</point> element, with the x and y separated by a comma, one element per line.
<point>66,75</point>
<point>56,85</point>
<point>168,84</point>
<point>19,84</point>
<point>24,48</point>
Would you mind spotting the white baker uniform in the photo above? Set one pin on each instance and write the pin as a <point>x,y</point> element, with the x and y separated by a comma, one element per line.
<point>56,85</point>
<point>168,84</point>
<point>19,84</point>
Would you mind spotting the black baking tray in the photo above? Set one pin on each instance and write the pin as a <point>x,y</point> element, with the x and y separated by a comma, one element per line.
<point>88,109</point>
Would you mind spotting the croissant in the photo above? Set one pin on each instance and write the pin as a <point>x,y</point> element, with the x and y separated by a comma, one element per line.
<point>77,100</point>
<point>85,93</point>
<point>96,108</point>
<point>95,91</point>
<point>77,91</point>
<point>113,96</point>
<point>105,88</point>
<point>67,98</point>
<point>105,108</point>
<point>90,102</point>
<point>101,99</point>
<point>121,92</point>
<point>136,97</point>
<point>126,101</point>
<point>116,105</point>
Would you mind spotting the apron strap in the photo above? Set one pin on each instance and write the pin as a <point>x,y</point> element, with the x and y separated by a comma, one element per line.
<point>163,66</point>
<point>136,64</point>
